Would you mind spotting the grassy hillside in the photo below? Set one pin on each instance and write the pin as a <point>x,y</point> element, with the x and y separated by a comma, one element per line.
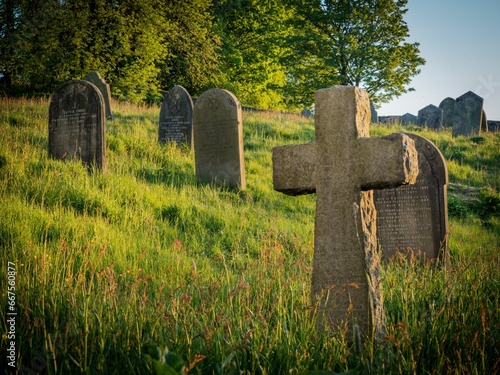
<point>145,255</point>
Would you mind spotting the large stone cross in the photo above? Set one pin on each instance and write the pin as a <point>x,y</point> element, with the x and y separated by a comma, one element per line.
<point>342,167</point>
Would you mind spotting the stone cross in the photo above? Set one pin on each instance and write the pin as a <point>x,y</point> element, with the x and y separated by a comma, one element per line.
<point>342,167</point>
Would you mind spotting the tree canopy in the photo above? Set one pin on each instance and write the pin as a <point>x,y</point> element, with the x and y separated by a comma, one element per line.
<point>269,53</point>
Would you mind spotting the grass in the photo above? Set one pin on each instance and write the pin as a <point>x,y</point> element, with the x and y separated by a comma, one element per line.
<point>145,255</point>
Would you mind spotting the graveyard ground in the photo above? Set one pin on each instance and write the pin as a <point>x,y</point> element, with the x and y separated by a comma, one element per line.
<point>144,255</point>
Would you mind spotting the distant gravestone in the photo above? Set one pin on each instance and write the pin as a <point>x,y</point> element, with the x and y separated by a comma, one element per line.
<point>448,105</point>
<point>77,126</point>
<point>408,118</point>
<point>484,122</point>
<point>414,218</point>
<point>373,113</point>
<point>430,116</point>
<point>468,114</point>
<point>176,117</point>
<point>218,139</point>
<point>306,113</point>
<point>493,126</point>
<point>95,78</point>
<point>342,167</point>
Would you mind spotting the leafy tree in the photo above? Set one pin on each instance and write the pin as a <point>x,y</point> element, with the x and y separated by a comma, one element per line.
<point>192,59</point>
<point>254,34</point>
<point>352,42</point>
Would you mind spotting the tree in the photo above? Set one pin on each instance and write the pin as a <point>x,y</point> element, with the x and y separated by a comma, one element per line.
<point>355,42</point>
<point>253,34</point>
<point>192,60</point>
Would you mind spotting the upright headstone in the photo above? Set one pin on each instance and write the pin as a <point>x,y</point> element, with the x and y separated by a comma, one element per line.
<point>218,139</point>
<point>408,118</point>
<point>342,167</point>
<point>414,218</point>
<point>430,116</point>
<point>176,117</point>
<point>468,114</point>
<point>448,105</point>
<point>484,122</point>
<point>373,113</point>
<point>95,78</point>
<point>77,125</point>
<point>493,126</point>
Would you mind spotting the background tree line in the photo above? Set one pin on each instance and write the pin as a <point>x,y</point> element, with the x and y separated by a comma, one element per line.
<point>269,53</point>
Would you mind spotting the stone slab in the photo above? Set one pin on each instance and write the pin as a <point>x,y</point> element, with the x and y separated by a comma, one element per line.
<point>218,139</point>
<point>413,219</point>
<point>176,118</point>
<point>77,125</point>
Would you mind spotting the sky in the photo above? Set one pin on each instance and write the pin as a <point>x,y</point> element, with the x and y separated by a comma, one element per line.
<point>460,41</point>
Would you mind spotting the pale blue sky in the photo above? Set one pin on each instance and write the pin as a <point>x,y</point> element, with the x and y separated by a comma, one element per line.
<point>460,40</point>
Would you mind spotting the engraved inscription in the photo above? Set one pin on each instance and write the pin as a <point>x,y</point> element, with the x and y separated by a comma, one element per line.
<point>77,123</point>
<point>176,114</point>
<point>413,204</point>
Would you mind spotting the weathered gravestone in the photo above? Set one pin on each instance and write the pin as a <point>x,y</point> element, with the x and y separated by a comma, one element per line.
<point>373,114</point>
<point>176,117</point>
<point>218,139</point>
<point>408,118</point>
<point>342,167</point>
<point>468,115</point>
<point>448,105</point>
<point>414,218</point>
<point>484,122</point>
<point>493,126</point>
<point>430,116</point>
<point>77,125</point>
<point>95,78</point>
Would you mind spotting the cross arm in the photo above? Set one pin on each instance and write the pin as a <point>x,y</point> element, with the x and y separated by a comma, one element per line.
<point>294,169</point>
<point>387,162</point>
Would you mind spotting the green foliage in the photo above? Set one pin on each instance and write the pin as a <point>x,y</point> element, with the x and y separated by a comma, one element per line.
<point>164,362</point>
<point>109,263</point>
<point>254,35</point>
<point>271,54</point>
<point>360,43</point>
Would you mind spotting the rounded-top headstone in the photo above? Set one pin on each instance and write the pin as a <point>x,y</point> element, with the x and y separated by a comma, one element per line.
<point>218,139</point>
<point>414,218</point>
<point>95,78</point>
<point>448,105</point>
<point>430,116</point>
<point>176,117</point>
<point>77,127</point>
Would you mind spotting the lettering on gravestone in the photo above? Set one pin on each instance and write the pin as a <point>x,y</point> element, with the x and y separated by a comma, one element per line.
<point>77,127</point>
<point>414,218</point>
<point>176,117</point>
<point>218,139</point>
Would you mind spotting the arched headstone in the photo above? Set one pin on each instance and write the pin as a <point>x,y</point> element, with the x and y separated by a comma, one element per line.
<point>77,125</point>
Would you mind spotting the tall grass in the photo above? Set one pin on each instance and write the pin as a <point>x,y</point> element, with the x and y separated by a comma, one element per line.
<point>109,262</point>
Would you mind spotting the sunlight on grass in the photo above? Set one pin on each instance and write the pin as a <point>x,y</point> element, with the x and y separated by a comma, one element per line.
<point>145,254</point>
